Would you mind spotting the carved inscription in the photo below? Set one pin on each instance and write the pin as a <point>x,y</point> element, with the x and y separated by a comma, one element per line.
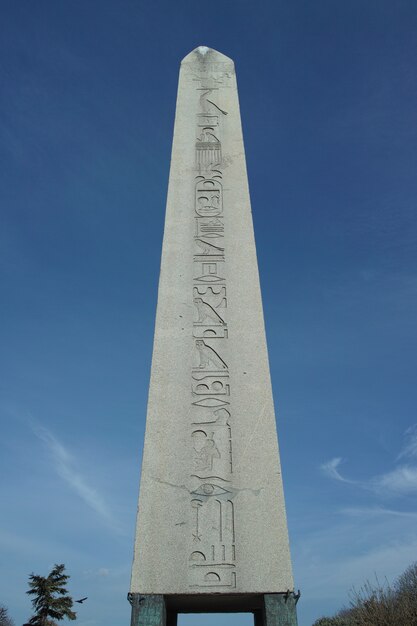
<point>212,556</point>
<point>208,359</point>
<point>206,312</point>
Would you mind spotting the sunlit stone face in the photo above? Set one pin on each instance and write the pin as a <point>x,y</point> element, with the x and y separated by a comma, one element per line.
<point>211,509</point>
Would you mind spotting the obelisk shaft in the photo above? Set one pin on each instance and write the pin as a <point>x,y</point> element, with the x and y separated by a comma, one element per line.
<point>211,512</point>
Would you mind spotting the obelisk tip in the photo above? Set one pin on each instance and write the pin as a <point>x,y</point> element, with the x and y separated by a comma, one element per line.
<point>203,54</point>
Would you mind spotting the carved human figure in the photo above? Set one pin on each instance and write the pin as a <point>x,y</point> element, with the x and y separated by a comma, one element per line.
<point>205,455</point>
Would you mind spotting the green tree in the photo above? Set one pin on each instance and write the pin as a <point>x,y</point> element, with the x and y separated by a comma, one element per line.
<point>5,619</point>
<point>51,600</point>
<point>406,589</point>
<point>331,621</point>
<point>407,583</point>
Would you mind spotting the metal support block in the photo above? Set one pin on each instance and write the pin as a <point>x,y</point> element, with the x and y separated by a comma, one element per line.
<point>279,609</point>
<point>147,610</point>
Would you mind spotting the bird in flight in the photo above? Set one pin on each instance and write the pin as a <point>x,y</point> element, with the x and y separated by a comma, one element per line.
<point>81,600</point>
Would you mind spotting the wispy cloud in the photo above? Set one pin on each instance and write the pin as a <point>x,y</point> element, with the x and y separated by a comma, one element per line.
<point>65,465</point>
<point>402,480</point>
<point>376,511</point>
<point>410,445</point>
<point>325,578</point>
<point>399,482</point>
<point>331,470</point>
<point>377,539</point>
<point>19,545</point>
<point>358,543</point>
<point>101,572</point>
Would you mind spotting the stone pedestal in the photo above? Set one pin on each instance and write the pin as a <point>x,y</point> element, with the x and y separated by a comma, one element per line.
<point>277,609</point>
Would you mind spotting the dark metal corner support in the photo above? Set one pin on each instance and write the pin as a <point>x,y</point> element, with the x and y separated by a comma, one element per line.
<point>279,609</point>
<point>148,610</point>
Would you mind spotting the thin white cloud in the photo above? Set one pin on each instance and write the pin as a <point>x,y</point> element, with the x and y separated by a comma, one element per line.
<point>401,481</point>
<point>376,511</point>
<point>346,550</point>
<point>410,446</point>
<point>103,571</point>
<point>65,467</point>
<point>331,470</point>
<point>19,545</point>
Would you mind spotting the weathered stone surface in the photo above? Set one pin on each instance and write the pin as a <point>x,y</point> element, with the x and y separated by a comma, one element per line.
<point>211,515</point>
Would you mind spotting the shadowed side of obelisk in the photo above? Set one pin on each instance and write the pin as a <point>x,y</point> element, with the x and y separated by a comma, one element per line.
<point>211,529</point>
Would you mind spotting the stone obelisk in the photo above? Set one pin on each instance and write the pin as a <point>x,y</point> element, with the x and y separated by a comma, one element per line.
<point>211,531</point>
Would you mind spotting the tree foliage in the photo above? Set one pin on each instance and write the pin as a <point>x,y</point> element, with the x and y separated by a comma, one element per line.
<point>51,600</point>
<point>331,621</point>
<point>380,604</point>
<point>5,619</point>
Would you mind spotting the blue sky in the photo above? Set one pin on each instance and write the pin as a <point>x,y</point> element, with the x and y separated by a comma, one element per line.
<point>328,96</point>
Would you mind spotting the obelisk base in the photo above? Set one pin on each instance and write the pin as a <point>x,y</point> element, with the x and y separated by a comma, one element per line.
<point>271,609</point>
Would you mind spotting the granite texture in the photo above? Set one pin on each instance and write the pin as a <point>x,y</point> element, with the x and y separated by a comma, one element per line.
<point>211,516</point>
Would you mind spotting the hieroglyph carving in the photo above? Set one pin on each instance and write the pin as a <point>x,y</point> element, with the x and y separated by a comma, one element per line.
<point>212,556</point>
